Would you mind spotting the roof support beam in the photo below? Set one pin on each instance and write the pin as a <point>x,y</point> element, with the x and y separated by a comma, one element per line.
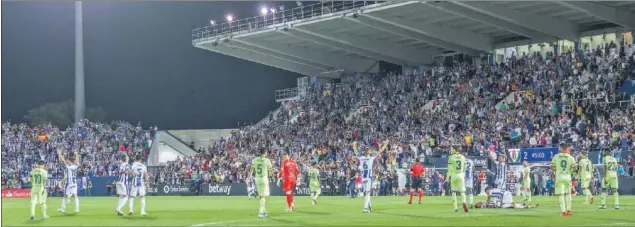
<point>382,50</point>
<point>487,19</point>
<point>332,60</point>
<point>560,28</point>
<point>448,38</point>
<point>266,51</point>
<point>621,17</point>
<point>236,52</point>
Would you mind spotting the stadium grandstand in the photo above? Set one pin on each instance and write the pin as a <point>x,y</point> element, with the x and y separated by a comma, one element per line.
<point>501,82</point>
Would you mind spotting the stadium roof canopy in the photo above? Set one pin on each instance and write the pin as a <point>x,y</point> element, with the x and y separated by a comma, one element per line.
<point>331,38</point>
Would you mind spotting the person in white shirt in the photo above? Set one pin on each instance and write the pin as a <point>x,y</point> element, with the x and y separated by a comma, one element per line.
<point>71,181</point>
<point>498,198</point>
<point>138,186</point>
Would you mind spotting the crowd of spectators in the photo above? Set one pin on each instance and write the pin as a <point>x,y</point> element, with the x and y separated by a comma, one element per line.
<point>530,100</point>
<point>568,98</point>
<point>98,145</point>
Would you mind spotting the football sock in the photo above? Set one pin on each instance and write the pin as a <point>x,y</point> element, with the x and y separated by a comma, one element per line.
<point>617,198</point>
<point>568,201</point>
<point>44,209</point>
<point>63,203</point>
<point>262,206</point>
<point>420,195</point>
<point>412,194</point>
<point>76,203</point>
<point>463,197</point>
<point>131,203</point>
<point>143,204</point>
<point>471,198</point>
<point>366,200</point>
<point>528,195</point>
<point>603,198</point>
<point>289,201</point>
<point>33,204</point>
<point>122,202</point>
<point>587,195</point>
<point>562,205</point>
<point>454,200</point>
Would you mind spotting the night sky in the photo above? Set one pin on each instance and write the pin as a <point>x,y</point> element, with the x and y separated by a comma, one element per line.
<point>140,64</point>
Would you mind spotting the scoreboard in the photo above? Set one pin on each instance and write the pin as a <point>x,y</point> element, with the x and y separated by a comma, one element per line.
<point>531,155</point>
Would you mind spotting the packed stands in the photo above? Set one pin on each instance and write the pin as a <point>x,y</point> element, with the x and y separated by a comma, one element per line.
<point>532,100</point>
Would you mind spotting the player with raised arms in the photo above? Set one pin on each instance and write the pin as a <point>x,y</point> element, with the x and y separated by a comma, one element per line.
<point>585,173</point>
<point>314,182</point>
<point>38,191</point>
<point>416,174</point>
<point>456,177</point>
<point>366,169</point>
<point>469,179</point>
<point>610,182</point>
<point>562,164</point>
<point>71,181</point>
<point>263,168</point>
<point>499,198</point>
<point>525,186</point>
<point>289,172</point>
<point>138,187</point>
<point>122,190</point>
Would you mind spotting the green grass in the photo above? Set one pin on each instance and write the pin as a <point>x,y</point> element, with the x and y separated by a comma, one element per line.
<point>339,211</point>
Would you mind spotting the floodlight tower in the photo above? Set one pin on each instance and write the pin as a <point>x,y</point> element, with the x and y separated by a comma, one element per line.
<point>80,104</point>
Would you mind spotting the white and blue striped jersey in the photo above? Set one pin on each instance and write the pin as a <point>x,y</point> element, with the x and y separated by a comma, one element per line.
<point>366,166</point>
<point>123,175</point>
<point>501,175</point>
<point>71,174</point>
<point>138,173</point>
<point>500,197</point>
<point>469,173</point>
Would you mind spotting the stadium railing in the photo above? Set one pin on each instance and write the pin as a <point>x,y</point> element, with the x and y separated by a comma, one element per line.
<point>283,17</point>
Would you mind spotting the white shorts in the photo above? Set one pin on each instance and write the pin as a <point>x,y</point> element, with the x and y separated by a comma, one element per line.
<point>71,189</point>
<point>138,191</point>
<point>367,184</point>
<point>469,183</point>
<point>121,189</point>
<point>507,198</point>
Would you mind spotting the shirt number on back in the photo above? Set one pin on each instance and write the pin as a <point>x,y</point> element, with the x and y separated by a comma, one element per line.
<point>259,169</point>
<point>458,165</point>
<point>365,173</point>
<point>563,165</point>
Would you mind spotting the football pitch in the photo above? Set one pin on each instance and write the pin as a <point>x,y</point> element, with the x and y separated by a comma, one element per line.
<point>331,211</point>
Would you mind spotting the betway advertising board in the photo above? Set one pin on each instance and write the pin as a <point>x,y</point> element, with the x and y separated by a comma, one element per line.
<point>235,189</point>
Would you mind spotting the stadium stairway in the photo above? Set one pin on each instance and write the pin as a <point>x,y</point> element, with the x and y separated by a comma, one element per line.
<point>158,148</point>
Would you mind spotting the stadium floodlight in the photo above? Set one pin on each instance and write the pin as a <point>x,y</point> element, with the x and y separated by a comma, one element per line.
<point>281,7</point>
<point>212,22</point>
<point>273,10</point>
<point>299,3</point>
<point>229,18</point>
<point>263,11</point>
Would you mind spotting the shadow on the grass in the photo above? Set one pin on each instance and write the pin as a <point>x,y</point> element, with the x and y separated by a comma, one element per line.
<point>135,218</point>
<point>282,221</point>
<point>31,222</point>
<point>313,212</point>
<point>410,215</point>
<point>66,215</point>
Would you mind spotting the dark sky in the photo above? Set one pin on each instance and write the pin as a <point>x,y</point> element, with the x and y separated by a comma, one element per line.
<point>140,64</point>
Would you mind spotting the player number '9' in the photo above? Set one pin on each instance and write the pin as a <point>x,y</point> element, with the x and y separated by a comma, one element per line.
<point>563,165</point>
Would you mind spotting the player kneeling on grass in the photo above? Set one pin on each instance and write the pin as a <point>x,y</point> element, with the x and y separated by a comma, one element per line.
<point>314,182</point>
<point>38,192</point>
<point>498,198</point>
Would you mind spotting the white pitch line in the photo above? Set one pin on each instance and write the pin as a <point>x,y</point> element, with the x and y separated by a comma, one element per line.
<point>241,220</point>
